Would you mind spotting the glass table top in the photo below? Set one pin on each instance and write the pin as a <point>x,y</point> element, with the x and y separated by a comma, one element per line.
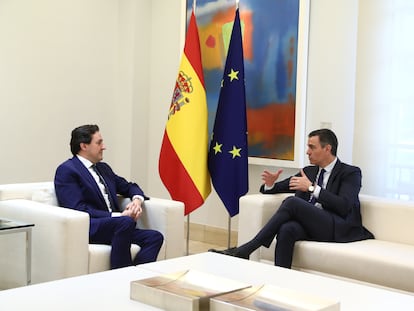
<point>6,224</point>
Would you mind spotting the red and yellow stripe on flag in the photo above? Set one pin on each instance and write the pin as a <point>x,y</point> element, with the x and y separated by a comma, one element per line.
<point>183,157</point>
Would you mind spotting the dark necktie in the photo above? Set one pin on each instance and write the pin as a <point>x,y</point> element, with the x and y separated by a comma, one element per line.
<point>319,183</point>
<point>103,182</point>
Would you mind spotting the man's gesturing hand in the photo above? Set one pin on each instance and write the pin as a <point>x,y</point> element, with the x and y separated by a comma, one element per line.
<point>300,183</point>
<point>270,178</point>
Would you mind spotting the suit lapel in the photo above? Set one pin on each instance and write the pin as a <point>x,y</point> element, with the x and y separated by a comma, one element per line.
<point>88,178</point>
<point>334,174</point>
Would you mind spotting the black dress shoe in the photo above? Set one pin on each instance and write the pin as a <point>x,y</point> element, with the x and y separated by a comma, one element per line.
<point>233,251</point>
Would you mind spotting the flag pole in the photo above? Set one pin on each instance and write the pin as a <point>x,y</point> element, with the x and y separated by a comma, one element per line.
<point>229,220</point>
<point>229,232</point>
<point>188,235</point>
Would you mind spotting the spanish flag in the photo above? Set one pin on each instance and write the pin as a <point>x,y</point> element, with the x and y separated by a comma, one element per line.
<point>183,156</point>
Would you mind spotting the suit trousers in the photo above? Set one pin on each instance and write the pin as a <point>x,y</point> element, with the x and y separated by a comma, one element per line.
<point>296,219</point>
<point>120,232</point>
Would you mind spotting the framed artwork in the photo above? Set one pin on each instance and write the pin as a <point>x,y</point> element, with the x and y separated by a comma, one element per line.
<point>275,41</point>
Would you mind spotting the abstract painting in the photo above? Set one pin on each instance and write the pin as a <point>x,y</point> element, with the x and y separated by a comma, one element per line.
<point>275,54</point>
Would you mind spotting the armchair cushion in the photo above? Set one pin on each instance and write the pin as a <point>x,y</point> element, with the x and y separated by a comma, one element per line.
<point>43,192</point>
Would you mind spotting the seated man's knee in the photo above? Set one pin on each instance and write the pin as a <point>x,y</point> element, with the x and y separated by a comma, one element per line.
<point>125,223</point>
<point>290,202</point>
<point>157,237</point>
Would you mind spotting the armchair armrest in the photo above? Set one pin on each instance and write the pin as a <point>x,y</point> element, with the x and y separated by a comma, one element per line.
<point>166,216</point>
<point>59,238</point>
<point>255,210</point>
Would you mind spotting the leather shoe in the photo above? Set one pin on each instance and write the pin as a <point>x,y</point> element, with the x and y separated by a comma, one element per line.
<point>233,251</point>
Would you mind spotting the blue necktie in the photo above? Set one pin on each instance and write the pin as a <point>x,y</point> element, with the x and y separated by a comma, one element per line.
<point>319,183</point>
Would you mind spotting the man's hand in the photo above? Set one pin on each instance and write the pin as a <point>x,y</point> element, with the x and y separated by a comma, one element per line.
<point>300,183</point>
<point>270,178</point>
<point>133,209</point>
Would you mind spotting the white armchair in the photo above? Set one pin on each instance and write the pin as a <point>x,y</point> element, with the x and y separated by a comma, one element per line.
<point>60,239</point>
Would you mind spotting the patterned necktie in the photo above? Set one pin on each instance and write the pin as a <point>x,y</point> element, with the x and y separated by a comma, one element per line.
<point>319,183</point>
<point>103,182</point>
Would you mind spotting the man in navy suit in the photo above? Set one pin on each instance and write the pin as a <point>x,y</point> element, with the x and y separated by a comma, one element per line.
<point>327,210</point>
<point>86,184</point>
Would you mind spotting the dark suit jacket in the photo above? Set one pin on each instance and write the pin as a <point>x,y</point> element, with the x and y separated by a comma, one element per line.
<point>340,199</point>
<point>77,189</point>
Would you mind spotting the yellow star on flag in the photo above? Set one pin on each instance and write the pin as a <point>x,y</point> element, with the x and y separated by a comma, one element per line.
<point>217,148</point>
<point>233,75</point>
<point>235,152</point>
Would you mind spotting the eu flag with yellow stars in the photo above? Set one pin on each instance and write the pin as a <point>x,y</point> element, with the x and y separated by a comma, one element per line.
<point>228,156</point>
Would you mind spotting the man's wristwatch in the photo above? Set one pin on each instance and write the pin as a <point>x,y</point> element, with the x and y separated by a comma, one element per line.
<point>311,188</point>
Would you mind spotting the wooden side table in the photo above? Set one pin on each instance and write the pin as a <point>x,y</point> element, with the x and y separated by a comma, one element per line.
<point>8,226</point>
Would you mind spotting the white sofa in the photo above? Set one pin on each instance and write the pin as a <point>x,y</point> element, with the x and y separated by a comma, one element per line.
<point>386,261</point>
<point>60,243</point>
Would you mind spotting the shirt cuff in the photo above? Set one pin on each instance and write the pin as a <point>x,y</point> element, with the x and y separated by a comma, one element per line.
<point>317,191</point>
<point>139,197</point>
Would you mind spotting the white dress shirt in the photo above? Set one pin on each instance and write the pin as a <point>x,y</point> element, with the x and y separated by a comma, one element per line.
<point>88,164</point>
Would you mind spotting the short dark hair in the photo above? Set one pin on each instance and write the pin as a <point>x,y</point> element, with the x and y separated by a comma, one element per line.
<point>82,134</point>
<point>326,137</point>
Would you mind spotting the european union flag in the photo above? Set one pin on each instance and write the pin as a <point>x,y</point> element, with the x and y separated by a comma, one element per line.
<point>228,156</point>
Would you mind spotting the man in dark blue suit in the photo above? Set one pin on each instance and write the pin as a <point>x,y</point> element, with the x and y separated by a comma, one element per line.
<point>325,206</point>
<point>86,184</point>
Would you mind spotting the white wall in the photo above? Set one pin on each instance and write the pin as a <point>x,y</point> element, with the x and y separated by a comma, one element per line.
<point>114,62</point>
<point>374,71</point>
<point>332,68</point>
<point>60,64</point>
<point>69,62</point>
